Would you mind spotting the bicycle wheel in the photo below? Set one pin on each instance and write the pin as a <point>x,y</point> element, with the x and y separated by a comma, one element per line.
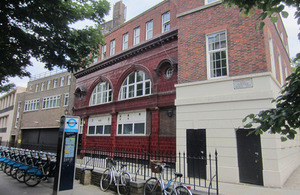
<point>31,177</point>
<point>152,186</point>
<point>20,175</point>
<point>105,180</point>
<point>13,172</point>
<point>182,190</point>
<point>7,169</point>
<point>123,187</point>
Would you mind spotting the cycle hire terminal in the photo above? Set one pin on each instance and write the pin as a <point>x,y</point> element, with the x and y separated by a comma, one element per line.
<point>66,154</point>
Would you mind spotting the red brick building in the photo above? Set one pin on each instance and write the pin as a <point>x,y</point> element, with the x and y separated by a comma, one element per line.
<point>181,77</point>
<point>130,90</point>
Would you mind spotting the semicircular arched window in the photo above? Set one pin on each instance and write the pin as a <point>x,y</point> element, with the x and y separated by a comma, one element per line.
<point>135,85</point>
<point>102,93</point>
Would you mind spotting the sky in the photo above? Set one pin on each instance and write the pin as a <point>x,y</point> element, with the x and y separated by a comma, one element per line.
<point>133,10</point>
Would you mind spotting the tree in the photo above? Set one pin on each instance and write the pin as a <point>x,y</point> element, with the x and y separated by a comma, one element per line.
<point>284,119</point>
<point>42,29</point>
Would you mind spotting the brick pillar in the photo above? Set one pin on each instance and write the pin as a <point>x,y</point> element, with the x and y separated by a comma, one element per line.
<point>155,130</point>
<point>84,132</point>
<point>113,132</point>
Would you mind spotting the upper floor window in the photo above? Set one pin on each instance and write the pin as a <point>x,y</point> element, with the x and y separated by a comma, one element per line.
<point>18,114</point>
<point>136,84</point>
<point>272,56</point>
<point>51,102</point>
<point>217,54</point>
<point>112,47</point>
<point>166,21</point>
<point>48,84</point>
<point>69,80</point>
<point>62,81</point>
<point>125,41</point>
<point>66,99</point>
<point>36,87</point>
<point>103,53</point>
<point>54,83</point>
<point>31,105</point>
<point>42,86</point>
<point>169,73</point>
<point>99,125</point>
<point>149,30</point>
<point>136,36</point>
<point>102,93</point>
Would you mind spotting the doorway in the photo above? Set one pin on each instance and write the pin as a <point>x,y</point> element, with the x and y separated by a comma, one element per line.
<point>249,157</point>
<point>196,152</point>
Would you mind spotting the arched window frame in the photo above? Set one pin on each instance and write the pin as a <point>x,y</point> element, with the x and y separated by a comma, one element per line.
<point>136,84</point>
<point>101,94</point>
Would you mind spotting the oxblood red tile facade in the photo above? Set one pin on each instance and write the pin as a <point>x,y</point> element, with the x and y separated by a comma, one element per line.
<point>158,55</point>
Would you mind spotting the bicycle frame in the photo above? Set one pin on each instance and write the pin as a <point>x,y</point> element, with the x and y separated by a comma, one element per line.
<point>165,187</point>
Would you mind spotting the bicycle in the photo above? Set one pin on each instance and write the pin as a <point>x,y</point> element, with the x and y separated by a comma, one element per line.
<point>156,186</point>
<point>120,178</point>
<point>46,167</point>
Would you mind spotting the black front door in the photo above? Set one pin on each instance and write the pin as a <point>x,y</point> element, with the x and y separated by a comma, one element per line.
<point>249,157</point>
<point>196,152</point>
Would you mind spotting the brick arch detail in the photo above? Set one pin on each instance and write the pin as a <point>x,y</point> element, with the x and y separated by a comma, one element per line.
<point>130,69</point>
<point>171,61</point>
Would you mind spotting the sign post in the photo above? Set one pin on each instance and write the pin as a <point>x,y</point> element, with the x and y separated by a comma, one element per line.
<point>66,154</point>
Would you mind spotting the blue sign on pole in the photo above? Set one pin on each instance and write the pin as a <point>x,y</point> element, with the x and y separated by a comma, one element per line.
<point>71,125</point>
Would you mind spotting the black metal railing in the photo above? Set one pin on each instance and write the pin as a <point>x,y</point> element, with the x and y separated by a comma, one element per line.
<point>199,173</point>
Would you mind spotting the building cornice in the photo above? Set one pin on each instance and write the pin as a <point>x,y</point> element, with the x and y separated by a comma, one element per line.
<point>133,51</point>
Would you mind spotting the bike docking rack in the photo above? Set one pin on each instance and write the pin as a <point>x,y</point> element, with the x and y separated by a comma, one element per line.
<point>27,166</point>
<point>200,174</point>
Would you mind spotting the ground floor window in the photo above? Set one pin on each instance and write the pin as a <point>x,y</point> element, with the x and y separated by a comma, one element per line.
<point>99,125</point>
<point>132,123</point>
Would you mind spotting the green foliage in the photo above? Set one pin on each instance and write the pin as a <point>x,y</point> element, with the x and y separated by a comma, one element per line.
<point>41,29</point>
<point>285,118</point>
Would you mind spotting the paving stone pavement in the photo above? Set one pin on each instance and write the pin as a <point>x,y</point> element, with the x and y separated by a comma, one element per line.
<point>10,186</point>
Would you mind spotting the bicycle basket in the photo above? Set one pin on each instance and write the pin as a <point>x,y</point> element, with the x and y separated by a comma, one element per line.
<point>154,165</point>
<point>110,163</point>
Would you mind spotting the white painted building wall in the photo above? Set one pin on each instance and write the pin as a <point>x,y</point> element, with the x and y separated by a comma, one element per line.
<point>216,106</point>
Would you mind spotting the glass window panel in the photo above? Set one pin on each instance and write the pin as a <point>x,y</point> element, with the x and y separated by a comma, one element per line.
<point>91,129</point>
<point>124,94</point>
<point>104,98</point>
<point>139,76</point>
<point>127,129</point>
<point>109,97</point>
<point>131,78</point>
<point>148,88</point>
<point>139,90</point>
<point>120,129</point>
<point>107,129</point>
<point>139,128</point>
<point>131,91</point>
<point>99,129</point>
<point>58,101</point>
